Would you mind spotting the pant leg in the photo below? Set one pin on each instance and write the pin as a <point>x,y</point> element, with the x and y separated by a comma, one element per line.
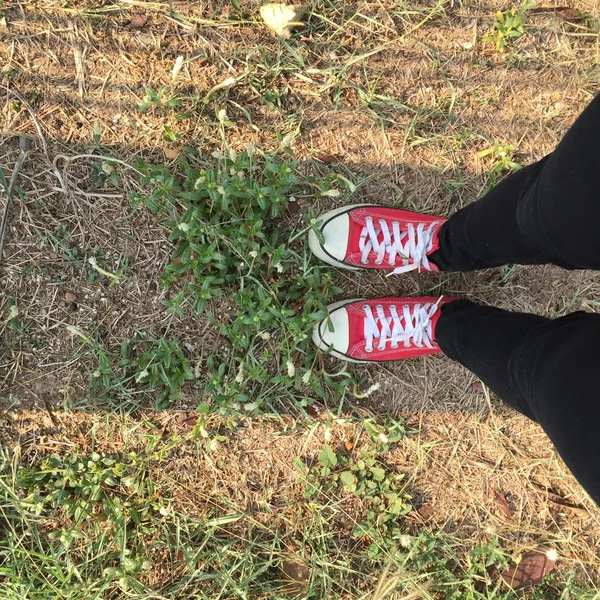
<point>548,212</point>
<point>546,369</point>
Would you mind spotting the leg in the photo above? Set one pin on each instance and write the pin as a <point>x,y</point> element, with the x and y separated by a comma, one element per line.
<point>546,369</point>
<point>548,212</point>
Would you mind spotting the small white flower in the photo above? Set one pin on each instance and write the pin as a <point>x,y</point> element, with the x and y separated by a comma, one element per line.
<point>250,149</point>
<point>184,227</point>
<point>253,253</point>
<point>216,154</point>
<point>214,444</point>
<point>383,438</point>
<point>13,312</point>
<point>265,335</point>
<point>291,369</point>
<point>327,435</point>
<point>232,154</point>
<point>552,554</point>
<point>250,406</point>
<point>141,375</point>
<point>222,115</point>
<point>306,377</point>
<point>177,67</point>
<point>331,193</point>
<point>405,541</point>
<point>292,199</point>
<point>221,190</point>
<point>229,82</point>
<point>239,378</point>
<point>96,374</point>
<point>279,267</point>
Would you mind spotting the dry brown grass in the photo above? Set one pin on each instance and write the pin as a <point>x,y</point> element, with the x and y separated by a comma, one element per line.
<point>82,68</point>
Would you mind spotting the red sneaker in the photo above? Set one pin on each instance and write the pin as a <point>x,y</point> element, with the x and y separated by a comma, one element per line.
<point>380,330</point>
<point>375,237</point>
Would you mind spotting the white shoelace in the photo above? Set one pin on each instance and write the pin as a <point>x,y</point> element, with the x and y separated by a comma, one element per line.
<point>410,246</point>
<point>417,327</point>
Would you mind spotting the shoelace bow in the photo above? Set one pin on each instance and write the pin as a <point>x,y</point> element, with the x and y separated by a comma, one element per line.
<point>417,326</point>
<point>411,244</point>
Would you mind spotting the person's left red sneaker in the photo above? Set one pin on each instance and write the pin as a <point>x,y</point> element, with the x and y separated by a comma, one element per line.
<point>380,330</point>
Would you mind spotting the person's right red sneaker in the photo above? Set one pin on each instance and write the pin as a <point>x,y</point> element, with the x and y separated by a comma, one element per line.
<point>380,330</point>
<point>366,236</point>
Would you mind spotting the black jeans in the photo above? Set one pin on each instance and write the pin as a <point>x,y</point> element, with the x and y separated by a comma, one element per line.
<point>548,212</point>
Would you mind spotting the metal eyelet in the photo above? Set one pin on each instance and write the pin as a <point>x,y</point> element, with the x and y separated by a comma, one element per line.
<point>367,350</point>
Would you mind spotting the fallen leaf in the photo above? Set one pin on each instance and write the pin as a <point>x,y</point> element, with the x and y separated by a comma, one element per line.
<point>500,500</point>
<point>189,420</point>
<point>282,18</point>
<point>297,576</point>
<point>568,14</point>
<point>293,206</point>
<point>327,158</point>
<point>426,512</point>
<point>138,21</point>
<point>477,387</point>
<point>532,568</point>
<point>577,510</point>
<point>70,297</point>
<point>170,153</point>
<point>563,12</point>
<point>349,444</point>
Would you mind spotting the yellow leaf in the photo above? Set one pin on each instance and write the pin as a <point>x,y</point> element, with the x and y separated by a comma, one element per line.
<point>282,18</point>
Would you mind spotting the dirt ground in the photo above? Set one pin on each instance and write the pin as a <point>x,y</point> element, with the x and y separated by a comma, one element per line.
<point>405,103</point>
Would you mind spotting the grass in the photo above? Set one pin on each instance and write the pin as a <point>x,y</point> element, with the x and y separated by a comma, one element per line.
<point>177,435</point>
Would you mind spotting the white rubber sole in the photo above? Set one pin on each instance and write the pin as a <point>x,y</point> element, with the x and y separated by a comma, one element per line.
<point>315,244</point>
<point>316,338</point>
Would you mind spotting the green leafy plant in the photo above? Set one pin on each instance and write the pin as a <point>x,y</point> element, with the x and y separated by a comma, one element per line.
<point>144,369</point>
<point>234,242</point>
<point>365,477</point>
<point>158,99</point>
<point>502,161</point>
<point>508,28</point>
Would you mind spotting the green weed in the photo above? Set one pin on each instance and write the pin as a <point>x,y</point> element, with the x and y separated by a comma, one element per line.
<point>508,28</point>
<point>240,259</point>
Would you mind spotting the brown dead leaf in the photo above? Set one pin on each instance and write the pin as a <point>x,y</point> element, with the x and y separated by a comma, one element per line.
<point>138,21</point>
<point>349,444</point>
<point>70,297</point>
<point>282,18</point>
<point>297,576</point>
<point>568,14</point>
<point>477,387</point>
<point>327,158</point>
<point>293,206</point>
<point>532,568</point>
<point>189,420</point>
<point>577,510</point>
<point>426,512</point>
<point>500,500</point>
<point>170,153</point>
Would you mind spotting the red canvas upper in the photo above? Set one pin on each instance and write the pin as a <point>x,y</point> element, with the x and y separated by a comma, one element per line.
<point>356,314</point>
<point>357,218</point>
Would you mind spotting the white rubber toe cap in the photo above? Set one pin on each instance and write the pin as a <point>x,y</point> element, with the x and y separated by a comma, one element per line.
<point>334,333</point>
<point>335,230</point>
